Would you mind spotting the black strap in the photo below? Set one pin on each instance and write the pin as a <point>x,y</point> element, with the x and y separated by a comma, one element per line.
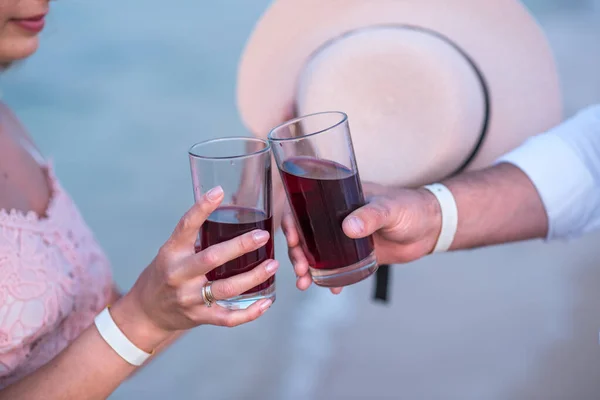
<point>382,279</point>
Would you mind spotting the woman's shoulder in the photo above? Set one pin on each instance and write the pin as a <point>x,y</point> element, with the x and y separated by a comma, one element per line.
<point>8,118</point>
<point>23,183</point>
<point>10,123</point>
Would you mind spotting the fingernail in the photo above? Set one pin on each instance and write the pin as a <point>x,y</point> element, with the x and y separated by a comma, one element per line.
<point>355,224</point>
<point>260,236</point>
<point>214,193</point>
<point>265,305</point>
<point>272,266</point>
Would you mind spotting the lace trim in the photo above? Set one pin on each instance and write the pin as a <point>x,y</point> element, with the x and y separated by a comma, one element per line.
<point>31,219</point>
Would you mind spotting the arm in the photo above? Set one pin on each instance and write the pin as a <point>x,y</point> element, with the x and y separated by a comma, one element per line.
<point>115,297</point>
<point>89,368</point>
<point>165,300</point>
<point>496,205</point>
<point>549,187</point>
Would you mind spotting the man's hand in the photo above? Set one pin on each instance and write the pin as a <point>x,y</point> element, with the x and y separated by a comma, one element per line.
<point>496,205</point>
<point>405,224</point>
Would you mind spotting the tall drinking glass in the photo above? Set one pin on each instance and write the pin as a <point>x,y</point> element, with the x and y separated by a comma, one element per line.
<point>242,167</point>
<point>315,158</point>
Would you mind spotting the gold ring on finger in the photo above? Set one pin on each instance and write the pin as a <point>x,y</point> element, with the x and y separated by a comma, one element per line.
<point>205,296</point>
<point>209,294</point>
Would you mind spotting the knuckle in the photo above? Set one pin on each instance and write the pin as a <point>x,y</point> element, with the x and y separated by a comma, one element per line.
<point>259,275</point>
<point>226,289</point>
<point>186,222</point>
<point>164,251</point>
<point>246,243</point>
<point>170,277</point>
<point>299,254</point>
<point>291,238</point>
<point>210,256</point>
<point>196,317</point>
<point>230,322</point>
<point>381,211</point>
<point>222,319</point>
<point>255,315</point>
<point>204,208</point>
<point>287,221</point>
<point>292,256</point>
<point>182,298</point>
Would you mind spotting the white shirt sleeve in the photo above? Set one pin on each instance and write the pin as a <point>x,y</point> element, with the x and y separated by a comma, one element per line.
<point>564,166</point>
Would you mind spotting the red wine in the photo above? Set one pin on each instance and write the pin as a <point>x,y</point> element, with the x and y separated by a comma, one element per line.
<point>227,223</point>
<point>323,193</point>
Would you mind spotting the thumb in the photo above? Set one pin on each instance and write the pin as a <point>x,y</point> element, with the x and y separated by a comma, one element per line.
<point>368,219</point>
<point>186,231</point>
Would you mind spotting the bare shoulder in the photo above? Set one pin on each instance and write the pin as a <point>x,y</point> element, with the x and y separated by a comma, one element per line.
<point>7,114</point>
<point>10,123</point>
<point>23,184</point>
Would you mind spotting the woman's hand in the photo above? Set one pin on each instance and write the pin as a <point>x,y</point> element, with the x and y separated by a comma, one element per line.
<point>405,224</point>
<point>167,296</point>
<point>165,300</point>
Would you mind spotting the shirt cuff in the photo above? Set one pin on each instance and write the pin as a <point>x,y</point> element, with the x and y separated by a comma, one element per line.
<point>562,180</point>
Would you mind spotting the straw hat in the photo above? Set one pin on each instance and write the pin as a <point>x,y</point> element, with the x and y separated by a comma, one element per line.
<point>431,87</point>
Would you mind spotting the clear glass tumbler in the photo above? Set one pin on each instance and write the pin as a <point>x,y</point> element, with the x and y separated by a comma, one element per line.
<point>242,167</point>
<point>315,158</point>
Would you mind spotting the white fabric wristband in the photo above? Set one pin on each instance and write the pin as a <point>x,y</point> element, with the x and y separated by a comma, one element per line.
<point>116,339</point>
<point>449,216</point>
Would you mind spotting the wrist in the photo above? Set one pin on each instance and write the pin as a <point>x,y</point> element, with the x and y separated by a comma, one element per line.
<point>432,218</point>
<point>136,325</point>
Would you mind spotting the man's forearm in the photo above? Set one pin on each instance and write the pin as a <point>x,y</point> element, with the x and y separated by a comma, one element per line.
<point>548,187</point>
<point>496,205</point>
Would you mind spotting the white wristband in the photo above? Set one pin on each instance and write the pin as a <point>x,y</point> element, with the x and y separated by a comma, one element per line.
<point>116,339</point>
<point>449,216</point>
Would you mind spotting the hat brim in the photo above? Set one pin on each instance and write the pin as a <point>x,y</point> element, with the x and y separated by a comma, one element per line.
<point>500,36</point>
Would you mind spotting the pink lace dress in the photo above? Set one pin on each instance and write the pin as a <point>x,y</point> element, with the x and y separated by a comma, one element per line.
<point>54,279</point>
